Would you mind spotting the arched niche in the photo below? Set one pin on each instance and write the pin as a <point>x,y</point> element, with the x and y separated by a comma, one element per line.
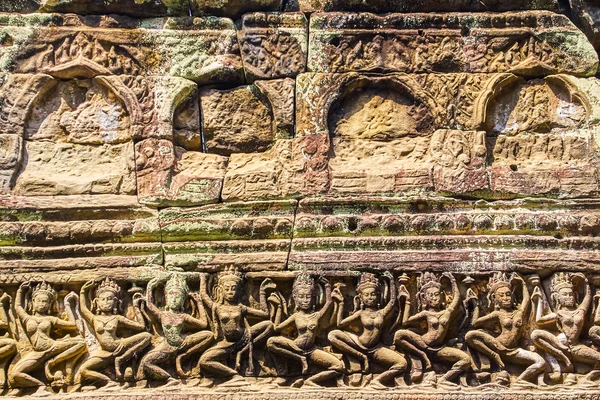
<point>379,132</point>
<point>538,106</point>
<point>380,109</point>
<point>78,139</point>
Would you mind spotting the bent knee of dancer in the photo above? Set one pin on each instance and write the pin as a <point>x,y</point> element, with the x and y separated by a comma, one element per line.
<point>464,363</point>
<point>334,335</point>
<point>537,335</point>
<point>273,342</point>
<point>338,366</point>
<point>208,358</point>
<point>538,362</point>
<point>473,337</point>
<point>400,335</point>
<point>399,366</point>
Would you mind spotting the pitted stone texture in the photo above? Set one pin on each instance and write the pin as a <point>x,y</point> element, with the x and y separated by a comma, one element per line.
<point>76,238</point>
<point>170,175</point>
<point>77,136</point>
<point>528,43</point>
<point>252,236</point>
<point>92,7</point>
<point>454,133</point>
<point>586,14</point>
<point>136,8</point>
<point>201,49</point>
<point>247,119</point>
<point>273,45</point>
<point>384,6</point>
<point>403,234</point>
<point>292,167</point>
<point>233,8</point>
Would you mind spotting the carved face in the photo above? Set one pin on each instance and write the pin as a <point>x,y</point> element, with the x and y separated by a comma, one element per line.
<point>106,301</point>
<point>504,297</point>
<point>566,297</point>
<point>41,303</point>
<point>230,289</point>
<point>303,298</point>
<point>368,296</point>
<point>174,299</point>
<point>432,297</point>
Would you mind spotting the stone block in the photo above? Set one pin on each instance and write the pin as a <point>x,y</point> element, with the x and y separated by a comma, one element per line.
<point>204,50</point>
<point>527,43</point>
<point>384,6</point>
<point>273,45</point>
<point>247,119</point>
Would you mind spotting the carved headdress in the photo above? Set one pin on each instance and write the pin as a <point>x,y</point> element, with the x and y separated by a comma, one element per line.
<point>48,290</point>
<point>367,280</point>
<point>303,281</point>
<point>427,280</point>
<point>44,288</point>
<point>560,280</point>
<point>177,283</point>
<point>108,285</point>
<point>497,281</point>
<point>230,273</point>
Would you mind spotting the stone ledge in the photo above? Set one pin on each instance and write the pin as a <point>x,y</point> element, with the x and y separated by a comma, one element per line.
<point>499,393</point>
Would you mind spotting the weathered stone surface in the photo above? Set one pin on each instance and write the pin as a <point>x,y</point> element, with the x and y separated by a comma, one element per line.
<point>418,219</point>
<point>170,175</point>
<point>405,133</point>
<point>233,8</point>
<point>90,7</point>
<point>251,236</point>
<point>201,49</point>
<point>247,119</point>
<point>586,14</point>
<point>528,44</point>
<point>273,45</point>
<point>222,8</point>
<point>296,167</point>
<point>401,233</point>
<point>82,234</point>
<point>77,137</point>
<point>383,6</point>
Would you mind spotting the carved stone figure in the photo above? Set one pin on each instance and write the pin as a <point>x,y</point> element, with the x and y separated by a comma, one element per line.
<point>368,320</point>
<point>433,344</point>
<point>306,321</point>
<point>46,350</point>
<point>559,331</point>
<point>235,336</point>
<point>8,343</point>
<point>108,326</point>
<point>511,320</point>
<point>181,334</point>
<point>594,332</point>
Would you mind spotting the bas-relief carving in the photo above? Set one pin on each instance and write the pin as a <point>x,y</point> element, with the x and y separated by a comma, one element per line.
<point>77,140</point>
<point>89,131</point>
<point>448,43</point>
<point>205,50</point>
<point>460,133</point>
<point>383,6</point>
<point>377,331</point>
<point>273,45</point>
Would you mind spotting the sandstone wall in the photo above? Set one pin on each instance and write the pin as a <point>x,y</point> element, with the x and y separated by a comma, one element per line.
<point>164,152</point>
